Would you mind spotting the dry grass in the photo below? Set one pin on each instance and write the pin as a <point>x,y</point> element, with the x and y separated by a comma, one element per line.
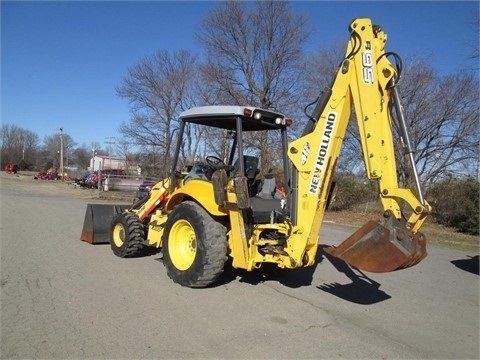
<point>435,233</point>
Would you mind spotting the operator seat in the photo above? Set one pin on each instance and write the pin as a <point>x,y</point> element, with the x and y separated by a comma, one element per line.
<point>268,187</point>
<point>263,210</point>
<point>251,171</point>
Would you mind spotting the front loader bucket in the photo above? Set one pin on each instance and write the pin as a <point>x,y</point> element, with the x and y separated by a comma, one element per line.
<point>97,223</point>
<point>381,248</point>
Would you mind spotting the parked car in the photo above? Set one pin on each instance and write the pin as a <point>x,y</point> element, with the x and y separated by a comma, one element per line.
<point>11,168</point>
<point>50,174</point>
<point>90,179</point>
<point>81,180</point>
<point>144,189</point>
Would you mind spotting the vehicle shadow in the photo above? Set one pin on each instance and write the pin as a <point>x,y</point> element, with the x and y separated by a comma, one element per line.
<point>471,264</point>
<point>362,290</point>
<point>269,272</point>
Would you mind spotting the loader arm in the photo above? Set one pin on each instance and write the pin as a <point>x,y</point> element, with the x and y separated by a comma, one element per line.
<point>365,80</point>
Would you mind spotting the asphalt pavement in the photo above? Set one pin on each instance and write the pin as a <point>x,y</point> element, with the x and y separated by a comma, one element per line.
<point>62,298</point>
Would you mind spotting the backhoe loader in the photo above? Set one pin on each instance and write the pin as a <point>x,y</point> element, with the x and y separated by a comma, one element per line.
<point>200,217</point>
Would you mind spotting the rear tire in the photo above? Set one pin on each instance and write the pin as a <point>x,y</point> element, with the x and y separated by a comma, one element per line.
<point>127,235</point>
<point>194,246</point>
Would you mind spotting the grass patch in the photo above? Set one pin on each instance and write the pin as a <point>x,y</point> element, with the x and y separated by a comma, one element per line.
<point>435,233</point>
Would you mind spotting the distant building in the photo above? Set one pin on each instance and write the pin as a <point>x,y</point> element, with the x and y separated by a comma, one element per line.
<point>101,162</point>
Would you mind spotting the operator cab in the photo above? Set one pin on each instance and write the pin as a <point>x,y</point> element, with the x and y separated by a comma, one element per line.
<point>238,124</point>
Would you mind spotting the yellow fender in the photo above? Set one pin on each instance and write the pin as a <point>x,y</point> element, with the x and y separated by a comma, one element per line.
<point>199,190</point>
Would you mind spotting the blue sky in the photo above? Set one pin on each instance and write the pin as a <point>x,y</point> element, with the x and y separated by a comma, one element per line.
<point>61,61</point>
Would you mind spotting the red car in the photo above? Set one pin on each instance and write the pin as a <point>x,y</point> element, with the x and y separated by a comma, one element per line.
<point>50,174</point>
<point>11,168</point>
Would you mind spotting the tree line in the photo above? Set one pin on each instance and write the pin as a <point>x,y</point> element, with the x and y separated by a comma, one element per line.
<point>25,148</point>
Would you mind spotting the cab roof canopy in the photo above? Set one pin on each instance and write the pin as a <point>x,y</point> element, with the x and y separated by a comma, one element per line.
<point>224,117</point>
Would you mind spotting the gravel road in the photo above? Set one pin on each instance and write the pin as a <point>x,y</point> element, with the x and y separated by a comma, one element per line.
<point>62,298</point>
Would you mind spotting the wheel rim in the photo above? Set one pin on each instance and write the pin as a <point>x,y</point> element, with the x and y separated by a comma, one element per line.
<point>118,235</point>
<point>182,245</point>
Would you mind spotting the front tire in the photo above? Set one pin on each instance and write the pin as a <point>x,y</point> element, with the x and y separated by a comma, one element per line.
<point>194,246</point>
<point>127,235</point>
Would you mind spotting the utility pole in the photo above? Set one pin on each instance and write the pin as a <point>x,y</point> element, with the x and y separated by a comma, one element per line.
<point>110,142</point>
<point>61,152</point>
<point>93,159</point>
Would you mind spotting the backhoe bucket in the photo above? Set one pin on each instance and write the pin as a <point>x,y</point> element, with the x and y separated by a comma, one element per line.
<point>381,248</point>
<point>97,223</point>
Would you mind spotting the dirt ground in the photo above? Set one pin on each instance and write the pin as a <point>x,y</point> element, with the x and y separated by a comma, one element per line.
<point>67,187</point>
<point>435,233</point>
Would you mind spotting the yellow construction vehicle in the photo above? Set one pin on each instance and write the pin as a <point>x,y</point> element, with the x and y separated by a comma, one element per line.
<point>201,217</point>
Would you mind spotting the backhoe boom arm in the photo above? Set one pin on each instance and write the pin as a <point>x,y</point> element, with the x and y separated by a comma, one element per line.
<point>366,80</point>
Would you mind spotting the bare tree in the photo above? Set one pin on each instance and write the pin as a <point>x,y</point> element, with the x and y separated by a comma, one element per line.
<point>124,149</point>
<point>158,88</point>
<point>18,145</point>
<point>253,54</point>
<point>320,68</point>
<point>51,148</point>
<point>81,156</point>
<point>442,116</point>
<point>474,46</point>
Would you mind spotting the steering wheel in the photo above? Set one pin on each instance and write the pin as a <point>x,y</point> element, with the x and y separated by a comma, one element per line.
<point>217,163</point>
